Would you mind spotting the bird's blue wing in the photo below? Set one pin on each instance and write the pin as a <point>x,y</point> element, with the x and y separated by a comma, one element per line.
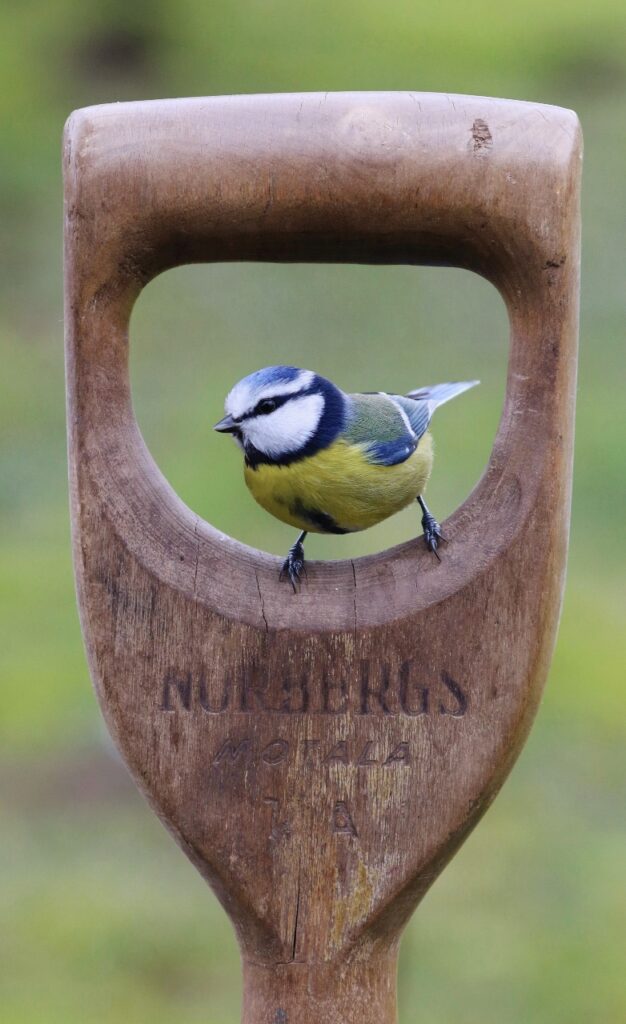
<point>391,453</point>
<point>381,428</point>
<point>418,413</point>
<point>388,428</point>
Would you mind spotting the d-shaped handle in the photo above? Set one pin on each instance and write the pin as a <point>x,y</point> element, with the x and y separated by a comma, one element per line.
<point>321,758</point>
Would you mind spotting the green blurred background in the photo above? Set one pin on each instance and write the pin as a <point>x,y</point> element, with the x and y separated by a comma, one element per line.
<point>103,919</point>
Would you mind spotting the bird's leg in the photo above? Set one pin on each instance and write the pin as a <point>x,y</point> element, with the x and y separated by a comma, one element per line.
<point>293,566</point>
<point>431,528</point>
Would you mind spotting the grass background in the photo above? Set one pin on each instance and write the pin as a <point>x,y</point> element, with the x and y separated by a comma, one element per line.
<point>103,919</point>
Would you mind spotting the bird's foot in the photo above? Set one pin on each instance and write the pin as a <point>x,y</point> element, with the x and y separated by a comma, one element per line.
<point>431,528</point>
<point>432,533</point>
<point>293,566</point>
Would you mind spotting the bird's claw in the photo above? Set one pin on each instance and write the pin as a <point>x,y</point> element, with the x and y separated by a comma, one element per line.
<point>432,533</point>
<point>293,566</point>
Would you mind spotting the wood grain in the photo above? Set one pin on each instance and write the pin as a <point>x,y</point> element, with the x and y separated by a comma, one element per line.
<point>320,757</point>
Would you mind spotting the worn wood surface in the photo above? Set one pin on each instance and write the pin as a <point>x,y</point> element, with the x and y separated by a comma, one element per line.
<point>320,757</point>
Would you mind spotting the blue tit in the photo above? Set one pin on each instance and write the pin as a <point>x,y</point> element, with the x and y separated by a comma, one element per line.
<point>326,461</point>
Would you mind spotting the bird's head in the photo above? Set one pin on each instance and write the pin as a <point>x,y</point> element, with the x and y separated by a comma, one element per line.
<point>281,414</point>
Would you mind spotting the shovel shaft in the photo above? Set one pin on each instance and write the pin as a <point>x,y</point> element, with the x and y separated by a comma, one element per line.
<point>330,993</point>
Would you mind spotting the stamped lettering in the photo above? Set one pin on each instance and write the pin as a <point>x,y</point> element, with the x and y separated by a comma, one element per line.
<point>342,820</point>
<point>375,692</point>
<point>310,747</point>
<point>275,752</point>
<point>239,752</point>
<point>176,691</point>
<point>399,755</point>
<point>233,751</point>
<point>338,754</point>
<point>278,829</point>
<point>459,704</point>
<point>365,757</point>
<point>377,689</point>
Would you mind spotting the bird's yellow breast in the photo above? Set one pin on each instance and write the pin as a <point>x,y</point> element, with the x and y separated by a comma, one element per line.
<point>338,490</point>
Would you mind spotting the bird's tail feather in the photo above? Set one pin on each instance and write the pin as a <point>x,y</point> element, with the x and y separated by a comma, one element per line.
<point>440,393</point>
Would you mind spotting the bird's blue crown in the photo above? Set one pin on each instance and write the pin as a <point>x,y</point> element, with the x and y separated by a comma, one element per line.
<point>303,428</point>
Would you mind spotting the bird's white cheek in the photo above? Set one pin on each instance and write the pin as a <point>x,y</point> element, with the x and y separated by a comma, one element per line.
<point>288,428</point>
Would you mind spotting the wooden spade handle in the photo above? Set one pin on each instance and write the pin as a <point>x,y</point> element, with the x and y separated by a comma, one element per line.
<point>321,757</point>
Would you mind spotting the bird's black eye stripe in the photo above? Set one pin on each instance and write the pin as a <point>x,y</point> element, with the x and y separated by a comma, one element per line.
<point>265,406</point>
<point>268,405</point>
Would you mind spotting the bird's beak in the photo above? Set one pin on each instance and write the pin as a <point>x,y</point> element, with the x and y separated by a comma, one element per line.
<point>226,425</point>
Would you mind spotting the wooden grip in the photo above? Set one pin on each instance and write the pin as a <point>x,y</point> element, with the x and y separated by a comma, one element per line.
<point>321,757</point>
<point>490,185</point>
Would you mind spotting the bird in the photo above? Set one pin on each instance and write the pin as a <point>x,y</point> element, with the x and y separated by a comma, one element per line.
<point>327,461</point>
